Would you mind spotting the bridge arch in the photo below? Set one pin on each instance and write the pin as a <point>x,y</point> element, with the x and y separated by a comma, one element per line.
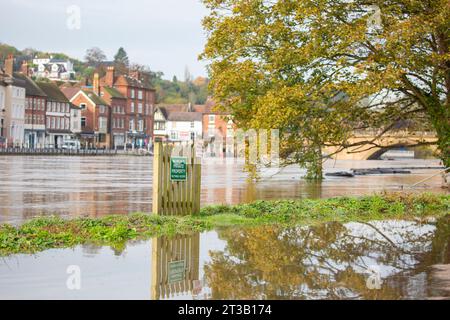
<point>377,153</point>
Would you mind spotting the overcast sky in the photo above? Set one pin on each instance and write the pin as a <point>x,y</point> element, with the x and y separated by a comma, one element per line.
<point>164,34</point>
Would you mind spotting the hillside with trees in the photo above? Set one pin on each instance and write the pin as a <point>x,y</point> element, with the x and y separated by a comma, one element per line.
<point>190,89</point>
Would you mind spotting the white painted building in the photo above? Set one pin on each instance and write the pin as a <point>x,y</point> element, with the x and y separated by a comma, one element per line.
<point>54,69</point>
<point>173,125</point>
<point>75,119</point>
<point>2,112</point>
<point>14,115</point>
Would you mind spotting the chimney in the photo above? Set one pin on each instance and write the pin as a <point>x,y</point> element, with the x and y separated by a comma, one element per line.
<point>109,78</point>
<point>96,84</point>
<point>9,65</point>
<point>24,68</point>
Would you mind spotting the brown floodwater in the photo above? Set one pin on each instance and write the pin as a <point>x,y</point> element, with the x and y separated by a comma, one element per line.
<point>378,260</point>
<point>96,186</point>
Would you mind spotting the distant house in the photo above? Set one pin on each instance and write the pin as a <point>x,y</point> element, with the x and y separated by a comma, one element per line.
<point>214,121</point>
<point>58,114</point>
<point>140,101</point>
<point>54,69</point>
<point>177,123</point>
<point>217,125</point>
<point>2,110</point>
<point>75,111</point>
<point>118,119</point>
<point>35,106</point>
<point>14,105</point>
<point>95,112</point>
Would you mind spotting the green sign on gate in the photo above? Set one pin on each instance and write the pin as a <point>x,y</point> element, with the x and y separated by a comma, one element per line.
<point>178,168</point>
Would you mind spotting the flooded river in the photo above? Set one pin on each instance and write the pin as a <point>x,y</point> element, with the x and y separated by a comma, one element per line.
<point>378,260</point>
<point>96,186</point>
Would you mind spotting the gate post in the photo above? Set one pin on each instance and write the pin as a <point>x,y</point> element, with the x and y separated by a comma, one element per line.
<point>157,175</point>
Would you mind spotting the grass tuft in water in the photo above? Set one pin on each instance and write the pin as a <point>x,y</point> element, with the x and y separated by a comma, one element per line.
<point>53,232</point>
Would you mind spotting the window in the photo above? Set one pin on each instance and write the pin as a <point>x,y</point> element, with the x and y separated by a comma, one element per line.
<point>160,125</point>
<point>83,122</point>
<point>139,107</point>
<point>132,107</point>
<point>140,95</point>
<point>67,124</point>
<point>103,123</point>
<point>141,125</point>
<point>132,93</point>
<point>102,109</point>
<point>131,125</point>
<point>192,125</point>
<point>48,122</point>
<point>212,118</point>
<point>83,106</point>
<point>53,123</point>
<point>174,135</point>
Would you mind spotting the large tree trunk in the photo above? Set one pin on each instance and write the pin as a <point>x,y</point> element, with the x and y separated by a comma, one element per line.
<point>440,118</point>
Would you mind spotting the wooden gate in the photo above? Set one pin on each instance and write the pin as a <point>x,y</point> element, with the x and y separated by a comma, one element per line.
<point>176,179</point>
<point>175,265</point>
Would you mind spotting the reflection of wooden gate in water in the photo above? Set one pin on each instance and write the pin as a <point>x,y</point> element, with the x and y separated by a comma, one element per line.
<point>175,265</point>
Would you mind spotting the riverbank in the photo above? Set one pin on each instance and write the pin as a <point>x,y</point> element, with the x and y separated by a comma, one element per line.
<point>53,232</point>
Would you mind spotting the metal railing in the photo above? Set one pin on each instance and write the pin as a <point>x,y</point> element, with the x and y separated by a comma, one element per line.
<point>51,151</point>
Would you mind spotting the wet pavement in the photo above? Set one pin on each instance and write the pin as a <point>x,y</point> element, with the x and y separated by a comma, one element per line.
<point>96,186</point>
<point>375,260</point>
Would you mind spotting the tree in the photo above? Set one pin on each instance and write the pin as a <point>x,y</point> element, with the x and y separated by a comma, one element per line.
<point>121,61</point>
<point>94,56</point>
<point>319,69</point>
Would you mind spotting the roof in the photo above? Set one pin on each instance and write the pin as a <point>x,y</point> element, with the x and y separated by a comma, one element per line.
<point>114,93</point>
<point>133,82</point>
<point>184,116</point>
<point>70,92</point>
<point>174,107</point>
<point>52,91</point>
<point>209,108</point>
<point>95,98</point>
<point>31,88</point>
<point>179,113</point>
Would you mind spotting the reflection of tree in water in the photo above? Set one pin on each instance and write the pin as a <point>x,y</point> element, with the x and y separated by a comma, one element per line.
<point>324,261</point>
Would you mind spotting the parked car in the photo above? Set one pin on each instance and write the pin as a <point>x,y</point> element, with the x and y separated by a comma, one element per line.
<point>71,145</point>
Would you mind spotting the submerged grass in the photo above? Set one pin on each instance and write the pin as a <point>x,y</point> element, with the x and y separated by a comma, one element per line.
<point>53,232</point>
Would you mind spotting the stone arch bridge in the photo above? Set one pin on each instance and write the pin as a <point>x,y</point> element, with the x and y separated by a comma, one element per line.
<point>381,145</point>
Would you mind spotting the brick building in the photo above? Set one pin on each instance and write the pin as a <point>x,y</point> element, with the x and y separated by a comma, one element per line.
<point>216,125</point>
<point>118,118</point>
<point>35,110</point>
<point>140,102</point>
<point>95,115</point>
